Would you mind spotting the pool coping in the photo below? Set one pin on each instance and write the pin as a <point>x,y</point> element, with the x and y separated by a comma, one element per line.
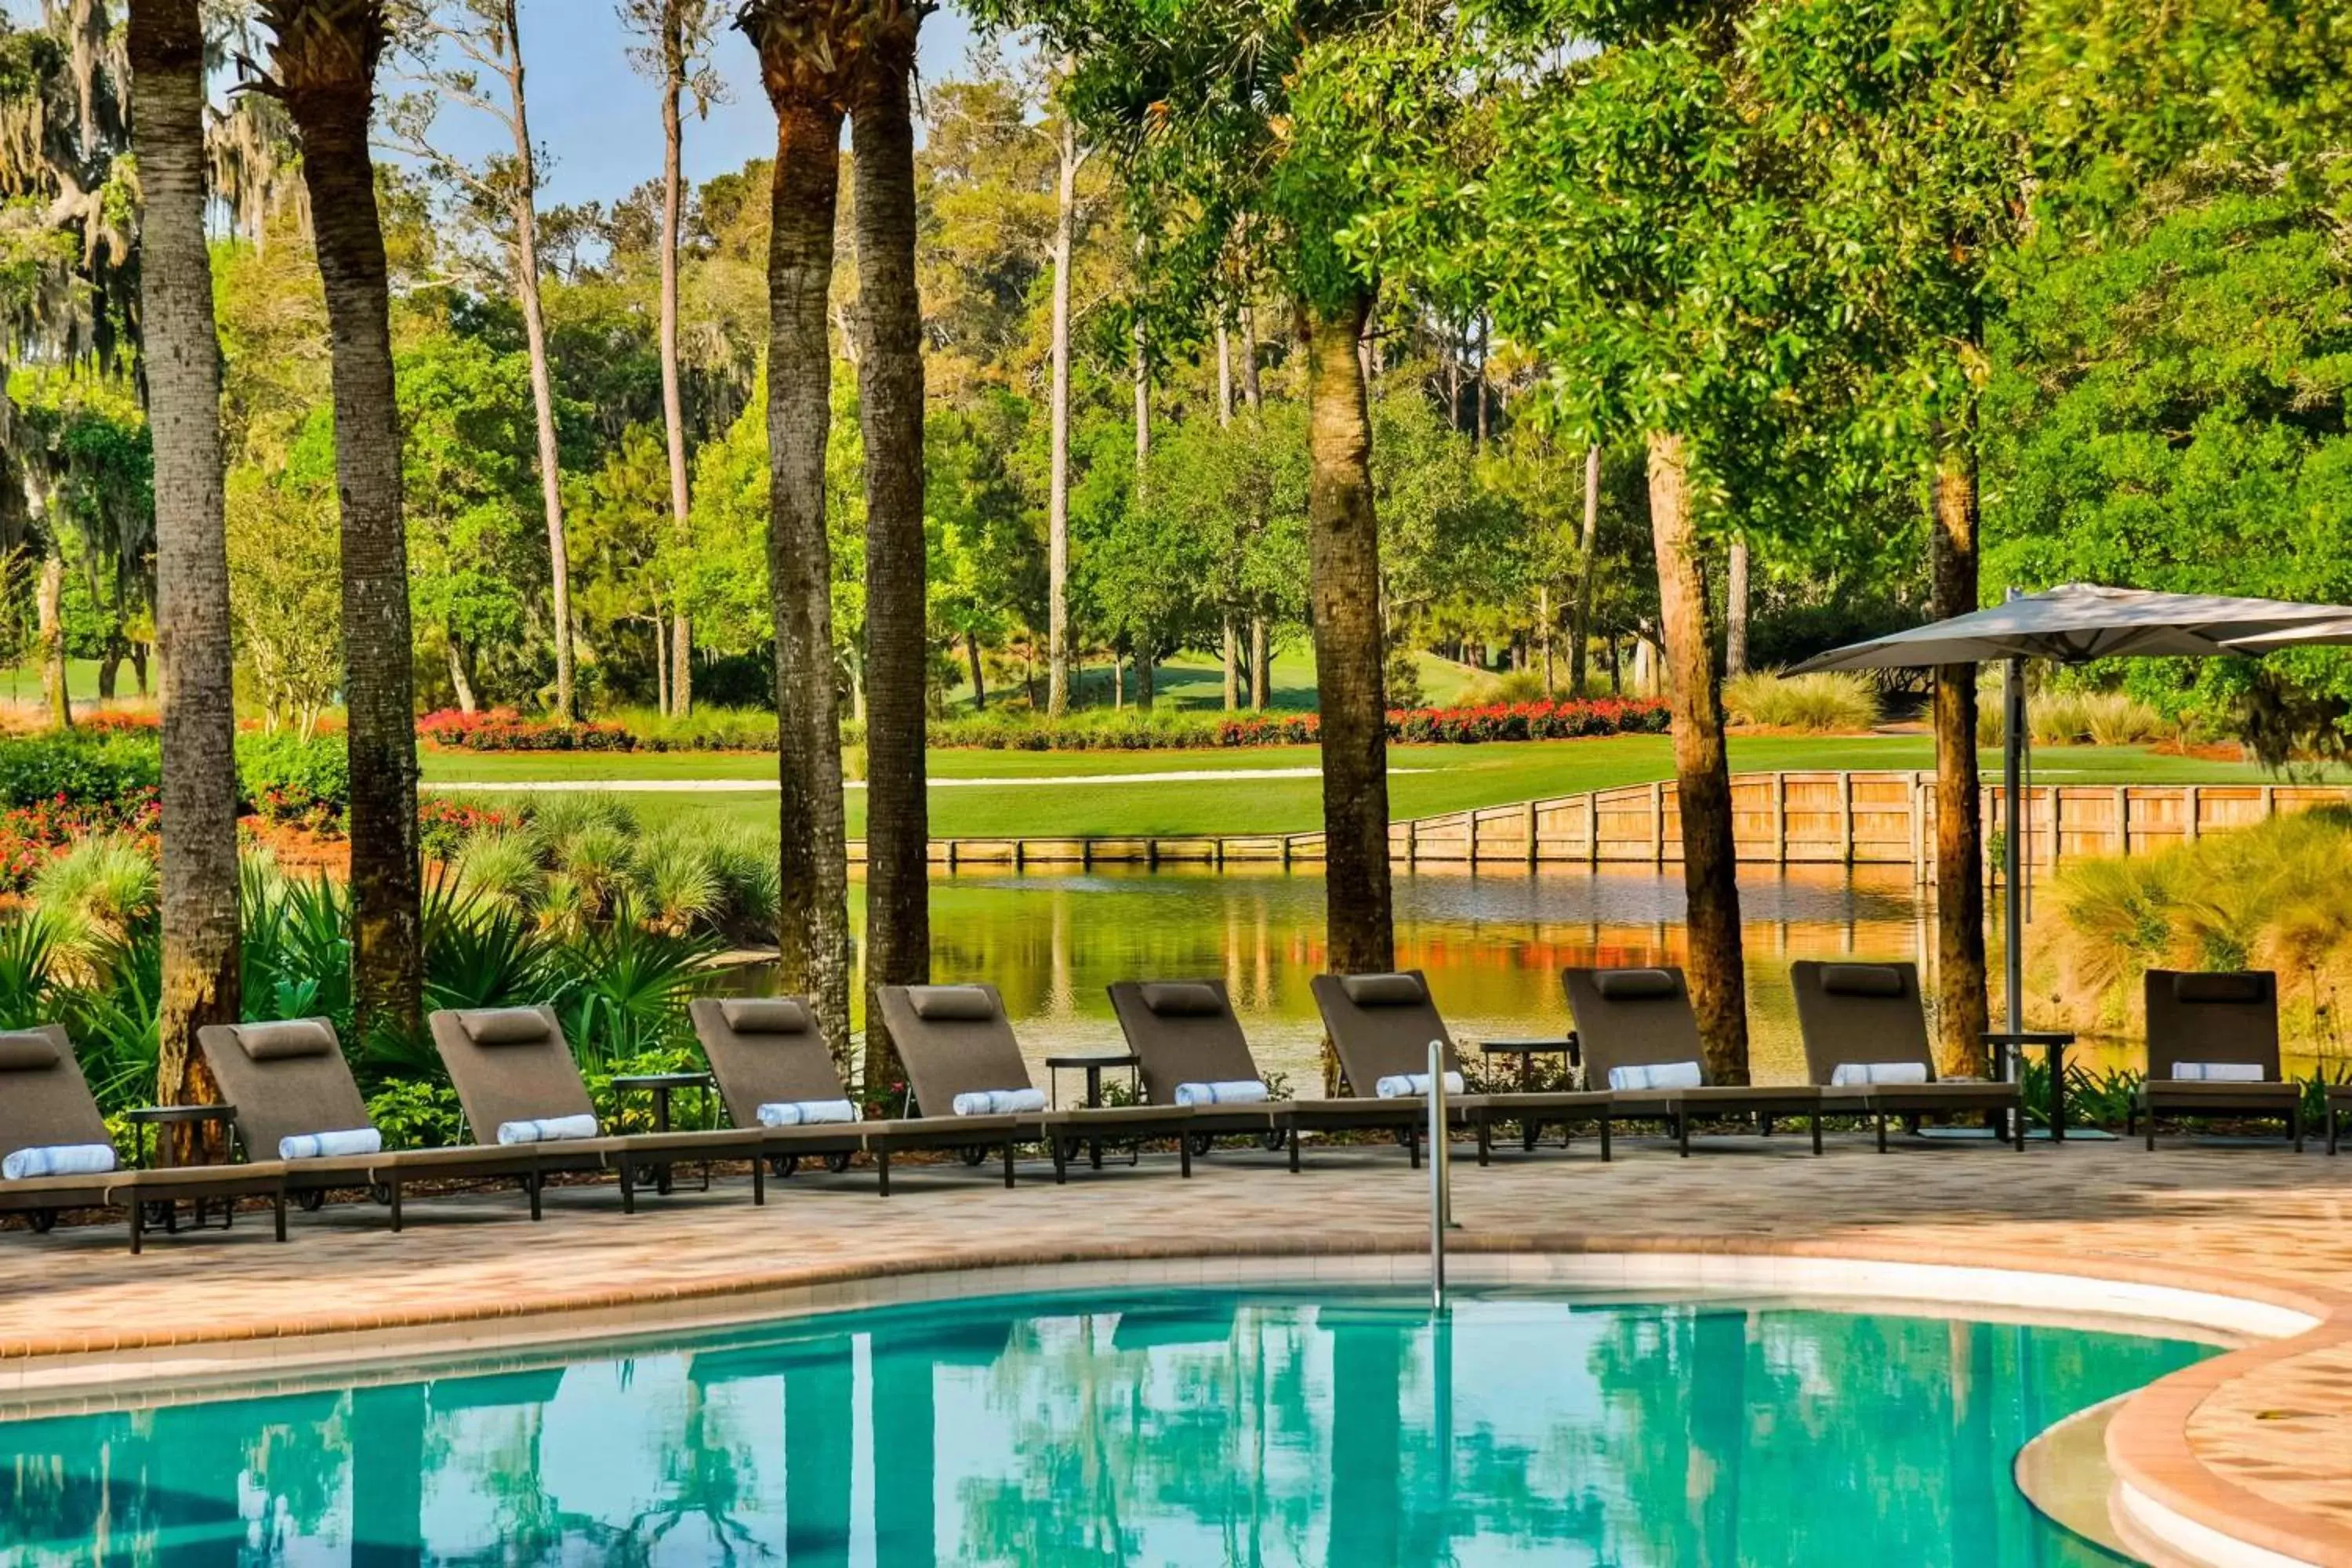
<point>2173,1508</point>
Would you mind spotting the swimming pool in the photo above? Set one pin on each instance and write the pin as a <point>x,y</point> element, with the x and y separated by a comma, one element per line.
<point>1175,1427</point>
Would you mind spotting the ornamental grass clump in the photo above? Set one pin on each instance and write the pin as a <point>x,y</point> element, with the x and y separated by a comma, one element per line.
<point>1824,703</point>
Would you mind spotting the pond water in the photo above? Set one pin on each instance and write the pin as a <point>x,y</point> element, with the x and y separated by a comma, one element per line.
<point>1197,1427</point>
<point>1493,944</point>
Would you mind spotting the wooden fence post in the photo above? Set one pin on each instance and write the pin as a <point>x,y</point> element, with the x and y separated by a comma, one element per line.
<point>2191,809</point>
<point>1534,849</point>
<point>1845,815</point>
<point>1657,824</point>
<point>2123,819</point>
<point>1780,819</point>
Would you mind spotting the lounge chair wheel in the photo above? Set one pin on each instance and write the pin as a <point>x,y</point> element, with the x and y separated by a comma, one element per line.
<point>1202,1142</point>
<point>43,1221</point>
<point>313,1200</point>
<point>1277,1140</point>
<point>974,1154</point>
<point>785,1165</point>
<point>380,1194</point>
<point>1071,1148</point>
<point>839,1162</point>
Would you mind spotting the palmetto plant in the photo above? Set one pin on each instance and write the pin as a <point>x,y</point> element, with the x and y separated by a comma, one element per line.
<point>501,866</point>
<point>27,970</point>
<point>676,886</point>
<point>95,895</point>
<point>627,986</point>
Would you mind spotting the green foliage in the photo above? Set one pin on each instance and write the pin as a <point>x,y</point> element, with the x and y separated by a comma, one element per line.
<point>417,1114</point>
<point>288,778</point>
<point>1824,703</point>
<point>80,768</point>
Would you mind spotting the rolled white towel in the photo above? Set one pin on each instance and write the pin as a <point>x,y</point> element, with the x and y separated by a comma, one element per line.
<point>331,1145</point>
<point>806,1112</point>
<point>63,1159</point>
<point>2218,1072</point>
<point>1411,1085</point>
<point>1000,1101</point>
<point>1847,1075</point>
<point>1228,1092</point>
<point>549,1130</point>
<point>1656,1075</point>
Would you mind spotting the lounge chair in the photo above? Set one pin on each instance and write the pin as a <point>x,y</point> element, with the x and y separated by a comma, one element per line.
<point>1184,1032</point>
<point>957,1045</point>
<point>289,1081</point>
<point>2214,1052</point>
<point>513,1068</point>
<point>1382,1027</point>
<point>767,1051</point>
<point>1863,1022</point>
<point>1636,1024</point>
<point>45,1103</point>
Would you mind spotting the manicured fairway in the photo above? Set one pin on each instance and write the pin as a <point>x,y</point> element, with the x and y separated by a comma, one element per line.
<point>1427,780</point>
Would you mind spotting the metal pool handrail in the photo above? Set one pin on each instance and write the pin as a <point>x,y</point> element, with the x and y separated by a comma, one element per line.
<point>1441,1176</point>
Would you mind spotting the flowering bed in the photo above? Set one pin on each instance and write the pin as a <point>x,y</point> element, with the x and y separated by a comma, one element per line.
<point>504,729</point>
<point>31,836</point>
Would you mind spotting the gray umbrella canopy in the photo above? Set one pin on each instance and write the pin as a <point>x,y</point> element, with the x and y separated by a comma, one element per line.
<point>2084,621</point>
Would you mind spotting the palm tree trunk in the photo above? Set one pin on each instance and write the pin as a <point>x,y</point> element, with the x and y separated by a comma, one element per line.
<point>542,385</point>
<point>1057,492</point>
<point>387,960</point>
<point>1261,677</point>
<point>181,357</point>
<point>890,408</point>
<point>815,938</point>
<point>1702,768</point>
<point>1588,546</point>
<point>1734,611</point>
<point>681,668</point>
<point>1344,547</point>
<point>1961,1010</point>
<point>1232,652</point>
<point>50,629</point>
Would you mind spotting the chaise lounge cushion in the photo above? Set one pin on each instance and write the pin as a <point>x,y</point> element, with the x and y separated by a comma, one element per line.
<point>286,1041</point>
<point>1384,989</point>
<point>765,1016</point>
<point>1183,999</point>
<point>2227,988</point>
<point>1862,980</point>
<point>503,1026</point>
<point>951,1004</point>
<point>26,1051</point>
<point>1634,984</point>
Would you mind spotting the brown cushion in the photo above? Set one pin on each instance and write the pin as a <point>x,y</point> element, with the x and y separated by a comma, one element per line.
<point>503,1026</point>
<point>281,1042</point>
<point>2219,987</point>
<point>26,1051</point>
<point>1183,999</point>
<point>1862,980</point>
<point>1384,989</point>
<point>951,1004</point>
<point>1634,984</point>
<point>765,1016</point>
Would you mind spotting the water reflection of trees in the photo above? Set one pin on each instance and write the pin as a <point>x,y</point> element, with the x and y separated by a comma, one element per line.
<point>1187,1429</point>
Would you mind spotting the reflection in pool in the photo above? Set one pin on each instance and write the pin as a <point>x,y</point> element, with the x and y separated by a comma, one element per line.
<point>1186,1428</point>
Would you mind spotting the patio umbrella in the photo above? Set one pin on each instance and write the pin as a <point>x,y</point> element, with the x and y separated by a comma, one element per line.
<point>2070,624</point>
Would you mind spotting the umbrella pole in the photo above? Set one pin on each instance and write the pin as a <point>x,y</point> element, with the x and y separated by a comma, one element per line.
<point>2012,768</point>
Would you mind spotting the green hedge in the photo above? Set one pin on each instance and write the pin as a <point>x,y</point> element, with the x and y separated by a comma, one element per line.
<point>78,769</point>
<point>287,779</point>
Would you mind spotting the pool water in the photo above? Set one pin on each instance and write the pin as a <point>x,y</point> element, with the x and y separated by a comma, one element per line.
<point>1178,1428</point>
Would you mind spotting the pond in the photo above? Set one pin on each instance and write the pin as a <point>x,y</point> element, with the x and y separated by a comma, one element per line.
<point>1493,944</point>
<point>1185,1428</point>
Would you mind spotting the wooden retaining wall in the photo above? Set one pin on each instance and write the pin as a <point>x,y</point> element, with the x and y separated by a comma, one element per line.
<point>1818,818</point>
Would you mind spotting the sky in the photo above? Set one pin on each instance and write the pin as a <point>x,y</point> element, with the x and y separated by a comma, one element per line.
<point>600,121</point>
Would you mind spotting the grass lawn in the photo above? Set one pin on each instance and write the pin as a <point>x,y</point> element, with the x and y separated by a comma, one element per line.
<point>1426,780</point>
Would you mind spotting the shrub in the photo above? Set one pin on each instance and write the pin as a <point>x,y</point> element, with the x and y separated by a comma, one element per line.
<point>30,835</point>
<point>78,768</point>
<point>444,823</point>
<point>704,729</point>
<point>287,779</point>
<point>417,1114</point>
<point>2071,717</point>
<point>1511,687</point>
<point>1529,721</point>
<point>1825,702</point>
<point>504,729</point>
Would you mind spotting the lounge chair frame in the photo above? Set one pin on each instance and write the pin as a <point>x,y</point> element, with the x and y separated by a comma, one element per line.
<point>1615,1032</point>
<point>2185,1024</point>
<point>1887,1028</point>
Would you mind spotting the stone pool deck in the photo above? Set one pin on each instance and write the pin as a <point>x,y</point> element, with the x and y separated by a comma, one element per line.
<point>2256,1443</point>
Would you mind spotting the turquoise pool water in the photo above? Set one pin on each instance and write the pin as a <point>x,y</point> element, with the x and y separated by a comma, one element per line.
<point>1178,1428</point>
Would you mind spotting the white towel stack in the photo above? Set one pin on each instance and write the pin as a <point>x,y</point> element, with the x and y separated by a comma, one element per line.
<point>1848,1074</point>
<point>64,1160</point>
<point>1657,1075</point>
<point>807,1113</point>
<point>331,1145</point>
<point>549,1130</point>
<point>1000,1101</point>
<point>1234,1092</point>
<point>2218,1072</point>
<point>1412,1085</point>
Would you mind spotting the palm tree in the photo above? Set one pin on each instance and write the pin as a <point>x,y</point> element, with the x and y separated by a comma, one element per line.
<point>807,57</point>
<point>678,34</point>
<point>166,46</point>
<point>890,408</point>
<point>322,65</point>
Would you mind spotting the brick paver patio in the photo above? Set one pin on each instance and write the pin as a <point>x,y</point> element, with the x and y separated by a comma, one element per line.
<point>2260,1440</point>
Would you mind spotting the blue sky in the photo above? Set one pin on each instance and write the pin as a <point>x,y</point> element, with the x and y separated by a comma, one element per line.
<point>600,119</point>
